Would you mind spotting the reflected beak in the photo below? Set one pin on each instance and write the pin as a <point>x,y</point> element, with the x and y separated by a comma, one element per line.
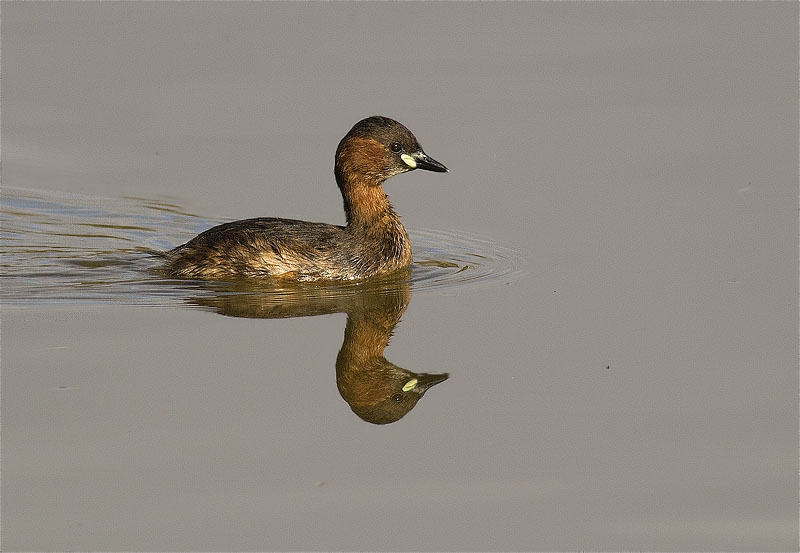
<point>425,380</point>
<point>421,160</point>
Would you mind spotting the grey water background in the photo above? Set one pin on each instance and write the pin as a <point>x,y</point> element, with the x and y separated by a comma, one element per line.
<point>623,186</point>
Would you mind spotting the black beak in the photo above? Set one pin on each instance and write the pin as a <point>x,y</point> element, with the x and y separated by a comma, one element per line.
<point>428,163</point>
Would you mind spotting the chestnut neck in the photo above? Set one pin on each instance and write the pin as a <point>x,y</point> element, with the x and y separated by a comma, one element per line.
<point>366,205</point>
<point>360,172</point>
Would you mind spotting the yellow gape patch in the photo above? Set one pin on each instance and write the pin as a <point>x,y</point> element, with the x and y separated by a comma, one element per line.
<point>408,160</point>
<point>410,385</point>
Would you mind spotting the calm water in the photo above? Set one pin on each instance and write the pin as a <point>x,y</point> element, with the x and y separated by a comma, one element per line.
<point>602,314</point>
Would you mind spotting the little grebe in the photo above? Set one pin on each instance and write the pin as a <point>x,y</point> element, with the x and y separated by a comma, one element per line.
<point>373,241</point>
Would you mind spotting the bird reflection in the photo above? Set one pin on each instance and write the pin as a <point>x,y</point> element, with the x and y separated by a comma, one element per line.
<point>377,390</point>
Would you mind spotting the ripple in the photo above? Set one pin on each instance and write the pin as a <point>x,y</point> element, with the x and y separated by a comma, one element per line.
<point>70,248</point>
<point>453,258</point>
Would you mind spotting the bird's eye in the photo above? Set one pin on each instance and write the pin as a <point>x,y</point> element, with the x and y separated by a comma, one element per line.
<point>397,397</point>
<point>396,147</point>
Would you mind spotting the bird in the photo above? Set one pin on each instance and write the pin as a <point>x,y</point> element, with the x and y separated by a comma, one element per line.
<point>372,242</point>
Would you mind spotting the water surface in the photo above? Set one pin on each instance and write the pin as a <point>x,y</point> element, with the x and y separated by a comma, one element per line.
<point>607,275</point>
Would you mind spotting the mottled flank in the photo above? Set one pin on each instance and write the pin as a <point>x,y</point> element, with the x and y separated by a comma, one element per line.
<point>298,250</point>
<point>373,241</point>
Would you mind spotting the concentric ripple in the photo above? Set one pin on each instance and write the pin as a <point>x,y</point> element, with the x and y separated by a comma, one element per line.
<point>69,248</point>
<point>450,258</point>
